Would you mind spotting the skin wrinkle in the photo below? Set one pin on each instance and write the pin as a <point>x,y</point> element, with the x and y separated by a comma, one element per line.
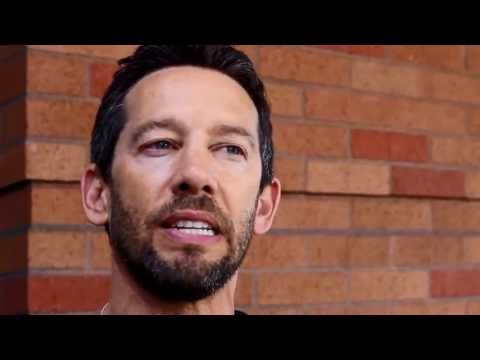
<point>220,268</point>
<point>188,278</point>
<point>151,273</point>
<point>176,127</point>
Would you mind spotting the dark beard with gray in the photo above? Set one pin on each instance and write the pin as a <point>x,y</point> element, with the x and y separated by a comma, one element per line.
<point>188,278</point>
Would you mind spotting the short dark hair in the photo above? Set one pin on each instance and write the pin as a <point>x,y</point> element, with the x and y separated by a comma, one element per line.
<point>111,119</point>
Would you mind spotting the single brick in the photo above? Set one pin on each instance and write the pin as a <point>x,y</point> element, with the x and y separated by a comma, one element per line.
<point>456,151</point>
<point>306,212</point>
<point>388,285</point>
<point>449,57</point>
<point>50,293</point>
<point>53,74</point>
<point>391,79</point>
<point>270,251</point>
<point>59,118</point>
<point>287,288</point>
<point>455,215</point>
<point>327,251</point>
<point>57,204</point>
<point>378,145</point>
<point>55,161</point>
<point>329,177</point>
<point>368,251</point>
<point>427,251</point>
<point>426,182</point>
<point>56,250</point>
<point>292,63</point>
<point>309,140</point>
<point>390,214</point>
<point>455,283</point>
<point>285,100</point>
<point>455,87</point>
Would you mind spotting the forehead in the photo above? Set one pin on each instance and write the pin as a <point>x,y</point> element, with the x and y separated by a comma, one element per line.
<point>197,96</point>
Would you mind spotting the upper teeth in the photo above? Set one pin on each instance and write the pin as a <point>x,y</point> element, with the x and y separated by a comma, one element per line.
<point>192,224</point>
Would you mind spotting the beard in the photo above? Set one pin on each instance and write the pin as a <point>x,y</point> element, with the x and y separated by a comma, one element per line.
<point>186,278</point>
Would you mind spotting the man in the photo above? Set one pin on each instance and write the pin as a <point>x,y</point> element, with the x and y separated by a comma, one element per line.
<point>181,177</point>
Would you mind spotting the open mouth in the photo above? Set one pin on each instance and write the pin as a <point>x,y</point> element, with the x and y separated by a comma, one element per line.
<point>192,227</point>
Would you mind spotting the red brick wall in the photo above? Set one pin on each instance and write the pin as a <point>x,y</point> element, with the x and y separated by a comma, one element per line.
<point>378,150</point>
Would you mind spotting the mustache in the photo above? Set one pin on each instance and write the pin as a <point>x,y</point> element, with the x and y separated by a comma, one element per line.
<point>189,202</point>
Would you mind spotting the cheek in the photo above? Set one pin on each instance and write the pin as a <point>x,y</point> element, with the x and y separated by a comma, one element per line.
<point>140,183</point>
<point>242,194</point>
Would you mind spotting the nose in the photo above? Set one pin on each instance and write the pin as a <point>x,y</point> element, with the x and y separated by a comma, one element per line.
<point>194,175</point>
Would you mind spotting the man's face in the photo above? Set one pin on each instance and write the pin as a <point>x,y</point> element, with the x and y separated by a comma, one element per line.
<point>186,176</point>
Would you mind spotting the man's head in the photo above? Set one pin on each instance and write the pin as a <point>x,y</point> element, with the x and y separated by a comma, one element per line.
<point>181,172</point>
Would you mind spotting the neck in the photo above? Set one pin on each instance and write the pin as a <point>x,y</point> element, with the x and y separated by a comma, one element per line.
<point>127,298</point>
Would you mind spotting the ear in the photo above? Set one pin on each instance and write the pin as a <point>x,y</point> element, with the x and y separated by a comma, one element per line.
<point>267,207</point>
<point>95,196</point>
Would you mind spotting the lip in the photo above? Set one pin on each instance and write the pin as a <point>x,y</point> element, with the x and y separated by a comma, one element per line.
<point>191,215</point>
<point>181,237</point>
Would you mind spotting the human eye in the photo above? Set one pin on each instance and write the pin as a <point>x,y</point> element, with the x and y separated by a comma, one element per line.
<point>158,147</point>
<point>233,151</point>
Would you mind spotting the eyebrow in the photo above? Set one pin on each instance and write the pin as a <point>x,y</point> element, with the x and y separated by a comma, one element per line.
<point>174,125</point>
<point>168,123</point>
